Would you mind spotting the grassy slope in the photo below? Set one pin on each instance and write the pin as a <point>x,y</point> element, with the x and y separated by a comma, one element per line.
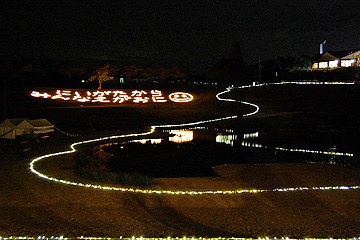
<point>70,115</point>
<point>32,206</point>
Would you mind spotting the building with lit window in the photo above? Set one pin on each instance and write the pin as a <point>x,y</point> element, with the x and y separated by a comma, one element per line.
<point>332,59</point>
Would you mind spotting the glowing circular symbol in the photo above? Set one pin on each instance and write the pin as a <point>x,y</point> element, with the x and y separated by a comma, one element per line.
<point>181,97</point>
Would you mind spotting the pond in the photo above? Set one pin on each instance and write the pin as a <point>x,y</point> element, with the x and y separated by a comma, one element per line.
<point>194,152</point>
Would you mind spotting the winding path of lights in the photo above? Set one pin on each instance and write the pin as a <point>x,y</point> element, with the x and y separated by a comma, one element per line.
<point>152,129</point>
<point>168,238</point>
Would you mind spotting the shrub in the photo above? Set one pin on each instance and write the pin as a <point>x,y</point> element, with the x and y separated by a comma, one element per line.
<point>91,166</point>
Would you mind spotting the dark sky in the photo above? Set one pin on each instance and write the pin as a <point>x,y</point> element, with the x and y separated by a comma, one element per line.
<point>193,33</point>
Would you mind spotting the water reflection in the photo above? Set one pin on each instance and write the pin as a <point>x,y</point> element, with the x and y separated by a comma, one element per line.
<point>248,140</point>
<point>225,138</point>
<point>181,136</point>
<point>168,157</point>
<point>231,138</point>
<point>252,144</point>
<point>251,135</point>
<point>152,141</point>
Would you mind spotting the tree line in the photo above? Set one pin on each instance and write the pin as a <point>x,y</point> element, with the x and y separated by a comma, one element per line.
<point>49,73</point>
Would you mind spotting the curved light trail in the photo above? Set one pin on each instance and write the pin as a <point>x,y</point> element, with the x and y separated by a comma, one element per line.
<point>170,192</point>
<point>168,238</point>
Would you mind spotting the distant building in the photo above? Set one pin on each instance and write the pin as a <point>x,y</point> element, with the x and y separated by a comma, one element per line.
<point>333,59</point>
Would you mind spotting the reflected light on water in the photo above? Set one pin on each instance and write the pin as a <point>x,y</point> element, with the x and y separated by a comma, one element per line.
<point>181,136</point>
<point>251,144</point>
<point>227,139</point>
<point>251,135</point>
<point>152,141</point>
<point>230,138</point>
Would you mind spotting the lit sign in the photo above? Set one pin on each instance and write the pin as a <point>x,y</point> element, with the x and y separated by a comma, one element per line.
<point>115,96</point>
<point>181,97</point>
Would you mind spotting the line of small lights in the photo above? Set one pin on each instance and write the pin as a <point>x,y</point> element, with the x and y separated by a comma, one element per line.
<point>134,190</point>
<point>315,188</point>
<point>189,128</point>
<point>168,238</point>
<point>170,192</point>
<point>317,83</point>
<point>246,144</point>
<point>331,153</point>
<point>233,100</point>
<point>72,146</point>
<point>297,83</point>
<point>65,133</point>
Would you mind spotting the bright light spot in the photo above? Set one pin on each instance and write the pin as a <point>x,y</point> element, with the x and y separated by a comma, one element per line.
<point>334,63</point>
<point>323,64</point>
<point>114,96</point>
<point>227,139</point>
<point>347,63</point>
<point>181,136</point>
<point>181,97</point>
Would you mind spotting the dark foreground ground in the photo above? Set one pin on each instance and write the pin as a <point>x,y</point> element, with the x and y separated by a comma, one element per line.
<point>31,206</point>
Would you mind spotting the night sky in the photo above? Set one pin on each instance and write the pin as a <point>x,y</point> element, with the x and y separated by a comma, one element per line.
<point>194,33</point>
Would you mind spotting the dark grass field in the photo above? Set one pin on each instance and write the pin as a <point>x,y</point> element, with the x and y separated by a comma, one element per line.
<point>309,116</point>
<point>31,206</point>
<point>84,116</point>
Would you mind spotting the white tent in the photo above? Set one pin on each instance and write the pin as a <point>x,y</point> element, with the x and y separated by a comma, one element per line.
<point>24,126</point>
<point>8,127</point>
<point>37,126</point>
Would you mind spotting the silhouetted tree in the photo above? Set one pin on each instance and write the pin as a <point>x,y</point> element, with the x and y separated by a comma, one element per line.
<point>178,72</point>
<point>160,72</point>
<point>303,61</point>
<point>131,71</point>
<point>148,73</point>
<point>70,69</point>
<point>103,73</point>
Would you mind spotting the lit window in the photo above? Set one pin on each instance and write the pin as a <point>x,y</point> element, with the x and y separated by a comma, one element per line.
<point>334,63</point>
<point>347,63</point>
<point>323,64</point>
